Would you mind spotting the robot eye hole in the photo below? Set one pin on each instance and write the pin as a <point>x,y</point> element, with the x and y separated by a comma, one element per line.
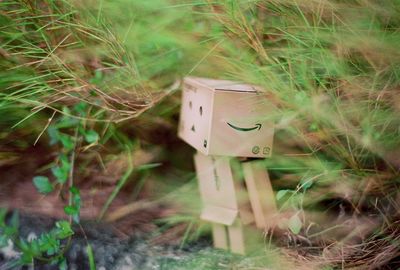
<point>190,104</point>
<point>201,110</point>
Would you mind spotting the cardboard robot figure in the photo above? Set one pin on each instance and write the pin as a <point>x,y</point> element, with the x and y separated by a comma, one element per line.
<point>223,120</point>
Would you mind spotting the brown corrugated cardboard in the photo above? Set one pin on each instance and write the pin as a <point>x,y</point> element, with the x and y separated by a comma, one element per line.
<point>237,238</point>
<point>219,215</point>
<point>220,237</point>
<point>225,118</point>
<point>216,188</point>
<point>222,119</point>
<point>260,191</point>
<point>225,201</point>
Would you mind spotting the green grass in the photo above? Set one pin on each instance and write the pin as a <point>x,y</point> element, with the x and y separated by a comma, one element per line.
<point>331,70</point>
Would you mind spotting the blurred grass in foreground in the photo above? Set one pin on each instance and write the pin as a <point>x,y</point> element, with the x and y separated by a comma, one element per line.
<point>331,69</point>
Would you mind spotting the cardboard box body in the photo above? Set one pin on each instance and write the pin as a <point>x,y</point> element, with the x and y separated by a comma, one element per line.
<point>226,204</point>
<point>217,189</point>
<point>220,117</point>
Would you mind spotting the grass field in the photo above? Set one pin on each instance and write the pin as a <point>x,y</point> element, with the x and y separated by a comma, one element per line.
<point>89,98</point>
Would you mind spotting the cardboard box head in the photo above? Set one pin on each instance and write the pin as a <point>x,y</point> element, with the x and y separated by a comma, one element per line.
<point>226,118</point>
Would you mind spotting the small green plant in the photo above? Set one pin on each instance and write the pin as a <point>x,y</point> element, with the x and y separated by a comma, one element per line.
<point>295,223</point>
<point>63,167</point>
<point>294,198</point>
<point>48,247</point>
<point>66,132</point>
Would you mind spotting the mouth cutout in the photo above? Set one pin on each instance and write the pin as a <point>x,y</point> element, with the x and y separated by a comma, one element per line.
<point>245,129</point>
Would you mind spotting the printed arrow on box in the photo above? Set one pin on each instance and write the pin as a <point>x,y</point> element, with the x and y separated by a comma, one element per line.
<point>258,126</point>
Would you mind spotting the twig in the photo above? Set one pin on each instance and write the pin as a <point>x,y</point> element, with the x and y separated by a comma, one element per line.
<point>71,172</point>
<point>44,129</point>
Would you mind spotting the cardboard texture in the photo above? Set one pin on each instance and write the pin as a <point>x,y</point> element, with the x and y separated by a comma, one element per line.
<point>242,195</point>
<point>225,118</point>
<point>220,237</point>
<point>217,189</point>
<point>261,194</point>
<point>237,238</point>
<point>225,202</point>
<point>220,119</point>
<point>245,239</point>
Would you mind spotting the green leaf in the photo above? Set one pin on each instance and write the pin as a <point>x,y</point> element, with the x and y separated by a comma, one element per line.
<point>14,222</point>
<point>34,247</point>
<point>306,183</point>
<point>3,213</point>
<point>91,136</point>
<point>3,241</point>
<point>65,164</point>
<point>63,158</point>
<point>60,173</point>
<point>64,229</point>
<point>53,134</point>
<point>80,108</point>
<point>10,231</point>
<point>313,127</point>
<point>63,264</point>
<point>76,198</point>
<point>43,184</point>
<point>67,141</point>
<point>67,122</point>
<point>49,243</point>
<point>26,258</point>
<point>75,218</point>
<point>74,190</point>
<point>23,245</point>
<point>66,111</point>
<point>97,78</point>
<point>149,166</point>
<point>295,224</point>
<point>71,210</point>
<point>281,193</point>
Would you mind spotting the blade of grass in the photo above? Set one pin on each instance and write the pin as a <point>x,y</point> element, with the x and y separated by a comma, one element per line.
<point>119,186</point>
<point>89,251</point>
